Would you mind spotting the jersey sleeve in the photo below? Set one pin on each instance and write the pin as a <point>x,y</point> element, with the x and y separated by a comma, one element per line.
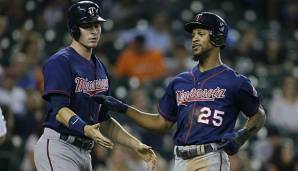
<point>57,77</point>
<point>247,98</point>
<point>167,106</point>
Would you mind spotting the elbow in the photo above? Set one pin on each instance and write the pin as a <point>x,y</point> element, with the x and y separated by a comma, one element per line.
<point>161,126</point>
<point>160,130</point>
<point>262,115</point>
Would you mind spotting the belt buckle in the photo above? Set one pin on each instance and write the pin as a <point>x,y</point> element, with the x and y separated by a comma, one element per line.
<point>87,144</point>
<point>183,153</point>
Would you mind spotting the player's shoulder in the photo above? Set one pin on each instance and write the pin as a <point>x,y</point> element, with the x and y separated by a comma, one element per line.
<point>60,56</point>
<point>234,75</point>
<point>184,76</point>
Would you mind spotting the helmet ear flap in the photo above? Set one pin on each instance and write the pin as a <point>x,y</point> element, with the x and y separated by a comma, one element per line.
<point>75,32</point>
<point>217,39</point>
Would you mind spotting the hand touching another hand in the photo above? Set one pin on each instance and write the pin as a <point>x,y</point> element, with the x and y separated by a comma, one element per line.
<point>148,155</point>
<point>92,131</point>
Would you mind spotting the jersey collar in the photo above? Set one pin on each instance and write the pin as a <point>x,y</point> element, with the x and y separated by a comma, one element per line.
<point>216,69</point>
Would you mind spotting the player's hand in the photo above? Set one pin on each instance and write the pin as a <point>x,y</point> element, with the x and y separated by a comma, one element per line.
<point>111,103</point>
<point>229,146</point>
<point>92,131</point>
<point>231,142</point>
<point>148,155</point>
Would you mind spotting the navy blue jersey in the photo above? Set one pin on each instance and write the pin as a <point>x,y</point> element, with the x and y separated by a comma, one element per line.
<point>206,105</point>
<point>69,74</point>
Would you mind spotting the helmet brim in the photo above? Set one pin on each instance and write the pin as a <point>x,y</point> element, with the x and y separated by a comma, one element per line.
<point>100,19</point>
<point>96,19</point>
<point>192,25</point>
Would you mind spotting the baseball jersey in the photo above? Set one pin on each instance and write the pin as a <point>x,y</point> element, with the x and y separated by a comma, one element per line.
<point>206,105</point>
<point>72,75</point>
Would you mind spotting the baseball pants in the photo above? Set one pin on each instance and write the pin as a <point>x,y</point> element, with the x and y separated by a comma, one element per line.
<point>54,154</point>
<point>213,161</point>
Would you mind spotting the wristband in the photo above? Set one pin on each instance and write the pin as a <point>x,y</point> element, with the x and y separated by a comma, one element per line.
<point>77,124</point>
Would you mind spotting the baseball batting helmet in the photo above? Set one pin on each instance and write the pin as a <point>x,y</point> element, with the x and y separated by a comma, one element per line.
<point>82,12</point>
<point>210,21</point>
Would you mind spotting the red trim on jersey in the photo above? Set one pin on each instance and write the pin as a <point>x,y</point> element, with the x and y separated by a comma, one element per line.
<point>190,124</point>
<point>48,155</point>
<point>193,76</point>
<point>166,116</point>
<point>193,110</point>
<point>211,76</point>
<point>203,82</point>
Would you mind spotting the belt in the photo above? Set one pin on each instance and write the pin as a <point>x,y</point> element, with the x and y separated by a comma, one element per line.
<point>188,152</point>
<point>82,143</point>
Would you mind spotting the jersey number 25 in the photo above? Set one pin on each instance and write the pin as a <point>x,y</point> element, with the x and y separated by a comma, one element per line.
<point>205,116</point>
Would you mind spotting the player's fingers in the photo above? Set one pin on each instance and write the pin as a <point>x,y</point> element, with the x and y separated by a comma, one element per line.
<point>106,145</point>
<point>104,142</point>
<point>96,126</point>
<point>151,159</point>
<point>221,146</point>
<point>151,164</point>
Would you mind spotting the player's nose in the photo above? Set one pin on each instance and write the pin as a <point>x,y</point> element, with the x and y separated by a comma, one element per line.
<point>196,40</point>
<point>95,29</point>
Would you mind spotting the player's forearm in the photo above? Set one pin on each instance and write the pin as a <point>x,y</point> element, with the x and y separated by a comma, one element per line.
<point>113,130</point>
<point>153,122</point>
<point>253,125</point>
<point>63,115</point>
<point>68,118</point>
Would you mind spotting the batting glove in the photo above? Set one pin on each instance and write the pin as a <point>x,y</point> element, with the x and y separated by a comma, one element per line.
<point>231,142</point>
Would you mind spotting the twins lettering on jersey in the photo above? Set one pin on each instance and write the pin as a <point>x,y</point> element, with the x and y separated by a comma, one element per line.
<point>194,95</point>
<point>91,87</point>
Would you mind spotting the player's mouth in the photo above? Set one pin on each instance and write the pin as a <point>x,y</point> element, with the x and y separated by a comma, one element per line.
<point>93,39</point>
<point>196,47</point>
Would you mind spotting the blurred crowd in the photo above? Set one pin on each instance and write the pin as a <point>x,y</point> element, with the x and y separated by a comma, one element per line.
<point>143,44</point>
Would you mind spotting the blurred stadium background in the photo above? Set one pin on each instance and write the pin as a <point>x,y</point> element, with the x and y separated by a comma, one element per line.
<point>262,44</point>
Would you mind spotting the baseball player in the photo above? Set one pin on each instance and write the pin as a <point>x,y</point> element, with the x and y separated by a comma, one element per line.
<point>204,102</point>
<point>3,129</point>
<point>71,76</point>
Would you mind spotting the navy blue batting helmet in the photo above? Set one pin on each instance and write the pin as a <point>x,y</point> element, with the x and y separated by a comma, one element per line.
<point>80,13</point>
<point>217,26</point>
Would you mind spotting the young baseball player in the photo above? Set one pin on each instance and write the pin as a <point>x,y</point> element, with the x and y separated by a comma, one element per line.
<point>204,102</point>
<point>71,76</point>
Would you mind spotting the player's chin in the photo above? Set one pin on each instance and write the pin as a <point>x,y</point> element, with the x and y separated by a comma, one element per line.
<point>196,53</point>
<point>92,45</point>
<point>197,50</point>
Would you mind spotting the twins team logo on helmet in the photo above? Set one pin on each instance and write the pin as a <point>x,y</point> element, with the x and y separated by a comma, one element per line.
<point>199,17</point>
<point>92,11</point>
